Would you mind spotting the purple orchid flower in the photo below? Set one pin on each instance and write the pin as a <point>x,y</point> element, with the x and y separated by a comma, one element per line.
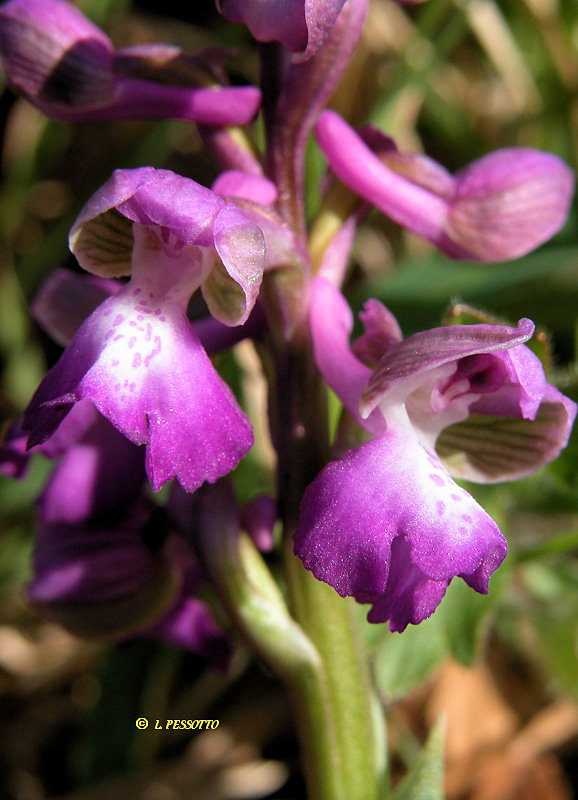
<point>188,622</point>
<point>90,514</point>
<point>386,523</point>
<point>300,25</point>
<point>137,358</point>
<point>101,569</point>
<point>66,66</point>
<point>258,518</point>
<point>500,207</point>
<point>104,581</point>
<point>62,304</point>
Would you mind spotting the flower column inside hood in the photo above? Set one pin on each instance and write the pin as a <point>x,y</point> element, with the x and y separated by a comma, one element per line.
<point>386,523</point>
<point>137,357</point>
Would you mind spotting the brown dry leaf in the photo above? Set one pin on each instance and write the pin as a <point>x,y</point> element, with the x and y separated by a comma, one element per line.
<point>525,770</point>
<point>478,719</point>
<point>495,750</point>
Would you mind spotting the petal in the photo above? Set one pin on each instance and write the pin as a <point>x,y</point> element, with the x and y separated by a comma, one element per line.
<point>416,167</point>
<point>510,202</point>
<point>521,394</point>
<point>344,537</point>
<point>101,238</point>
<point>14,458</point>
<point>67,67</point>
<point>270,20</point>
<point>215,337</point>
<point>232,292</point>
<point>100,581</point>
<point>189,624</point>
<point>381,332</point>
<point>102,241</point>
<point>234,183</point>
<point>197,432</point>
<point>214,105</point>
<point>55,56</point>
<point>500,448</point>
<point>57,393</point>
<point>331,326</point>
<point>320,16</point>
<point>500,207</point>
<point>410,597</point>
<point>300,25</point>
<point>74,427</point>
<point>80,564</point>
<point>388,489</point>
<point>181,205</point>
<point>66,299</point>
<point>404,364</point>
<point>408,204</point>
<point>97,475</point>
<point>145,370</point>
<point>282,247</point>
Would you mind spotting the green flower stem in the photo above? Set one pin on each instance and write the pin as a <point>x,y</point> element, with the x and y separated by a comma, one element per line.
<point>332,624</point>
<point>299,431</point>
<point>293,657</point>
<point>257,608</point>
<point>342,711</point>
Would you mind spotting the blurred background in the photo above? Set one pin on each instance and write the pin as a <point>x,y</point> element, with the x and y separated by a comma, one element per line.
<point>454,79</point>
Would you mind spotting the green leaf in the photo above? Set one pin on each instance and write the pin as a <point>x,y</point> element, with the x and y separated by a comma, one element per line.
<point>425,780</point>
<point>462,615</point>
<point>112,735</point>
<point>401,661</point>
<point>541,285</point>
<point>553,614</point>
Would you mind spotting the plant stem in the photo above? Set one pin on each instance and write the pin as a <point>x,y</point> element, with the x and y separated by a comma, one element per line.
<point>256,606</point>
<point>342,710</point>
<point>299,431</point>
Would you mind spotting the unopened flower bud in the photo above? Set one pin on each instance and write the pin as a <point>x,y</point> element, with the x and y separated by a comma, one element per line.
<point>500,207</point>
<point>67,67</point>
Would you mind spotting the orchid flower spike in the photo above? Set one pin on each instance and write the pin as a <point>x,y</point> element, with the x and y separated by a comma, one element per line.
<point>137,357</point>
<point>386,523</point>
<point>67,67</point>
<point>300,25</point>
<point>500,207</point>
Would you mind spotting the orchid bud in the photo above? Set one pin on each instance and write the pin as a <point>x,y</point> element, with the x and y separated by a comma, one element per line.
<point>67,67</point>
<point>500,207</point>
